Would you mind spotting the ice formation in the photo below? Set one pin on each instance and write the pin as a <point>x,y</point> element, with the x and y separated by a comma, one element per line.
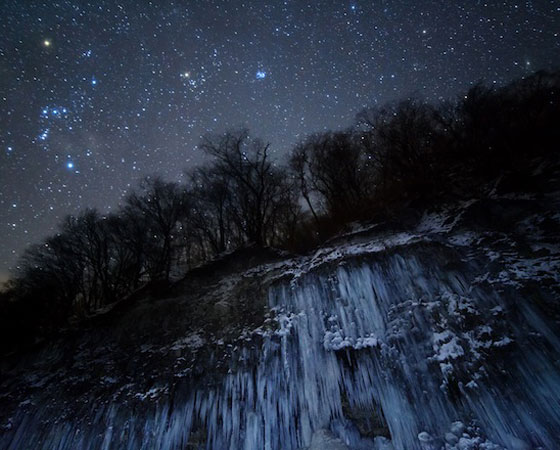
<point>411,347</point>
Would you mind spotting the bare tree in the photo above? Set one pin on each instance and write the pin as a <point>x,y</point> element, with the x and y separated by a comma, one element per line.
<point>257,185</point>
<point>400,140</point>
<point>299,163</point>
<point>331,169</point>
<point>211,213</point>
<point>160,206</point>
<point>129,240</point>
<point>53,271</point>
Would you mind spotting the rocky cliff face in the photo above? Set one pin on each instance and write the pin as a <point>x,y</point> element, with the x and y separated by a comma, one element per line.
<point>444,336</point>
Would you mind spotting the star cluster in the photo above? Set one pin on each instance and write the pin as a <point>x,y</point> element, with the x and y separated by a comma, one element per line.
<point>96,94</point>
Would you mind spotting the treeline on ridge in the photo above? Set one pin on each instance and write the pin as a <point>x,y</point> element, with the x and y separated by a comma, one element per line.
<point>406,152</point>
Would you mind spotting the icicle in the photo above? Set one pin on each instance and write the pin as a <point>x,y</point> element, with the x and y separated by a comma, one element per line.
<point>397,336</point>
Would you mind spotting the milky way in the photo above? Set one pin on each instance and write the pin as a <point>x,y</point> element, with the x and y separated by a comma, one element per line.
<point>94,95</point>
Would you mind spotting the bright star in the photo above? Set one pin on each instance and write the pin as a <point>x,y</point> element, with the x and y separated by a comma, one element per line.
<point>261,74</point>
<point>43,136</point>
<point>70,164</point>
<point>93,81</point>
<point>47,43</point>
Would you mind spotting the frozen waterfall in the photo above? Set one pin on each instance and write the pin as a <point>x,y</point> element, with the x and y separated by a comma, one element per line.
<point>408,349</point>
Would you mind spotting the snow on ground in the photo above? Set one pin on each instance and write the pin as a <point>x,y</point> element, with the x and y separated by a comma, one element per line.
<point>393,322</point>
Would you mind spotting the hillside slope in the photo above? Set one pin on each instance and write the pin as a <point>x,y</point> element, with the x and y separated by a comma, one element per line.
<point>442,334</point>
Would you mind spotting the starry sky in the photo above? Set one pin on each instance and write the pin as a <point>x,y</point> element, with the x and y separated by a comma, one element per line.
<point>96,94</point>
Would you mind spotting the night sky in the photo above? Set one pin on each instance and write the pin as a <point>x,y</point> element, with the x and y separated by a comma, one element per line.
<point>95,95</point>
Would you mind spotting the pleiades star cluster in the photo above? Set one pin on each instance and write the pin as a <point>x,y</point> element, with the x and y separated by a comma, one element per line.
<point>94,95</point>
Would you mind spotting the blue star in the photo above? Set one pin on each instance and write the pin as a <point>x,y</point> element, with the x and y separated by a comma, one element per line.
<point>70,164</point>
<point>93,81</point>
<point>261,74</point>
<point>43,136</point>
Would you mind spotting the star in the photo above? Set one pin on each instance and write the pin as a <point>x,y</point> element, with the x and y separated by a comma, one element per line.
<point>43,136</point>
<point>162,84</point>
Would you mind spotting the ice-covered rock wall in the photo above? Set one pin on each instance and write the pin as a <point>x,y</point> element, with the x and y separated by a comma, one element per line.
<point>410,348</point>
<point>425,347</point>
